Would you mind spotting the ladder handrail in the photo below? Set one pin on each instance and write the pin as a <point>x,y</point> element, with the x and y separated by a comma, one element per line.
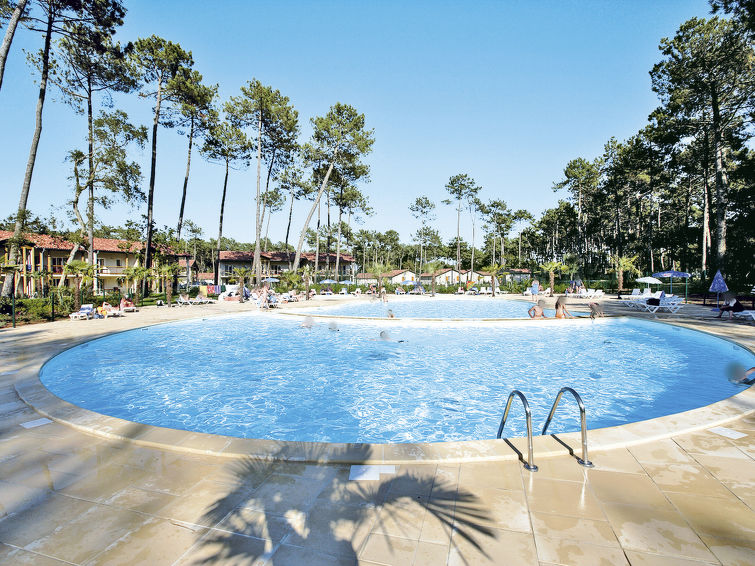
<point>529,465</point>
<point>583,423</point>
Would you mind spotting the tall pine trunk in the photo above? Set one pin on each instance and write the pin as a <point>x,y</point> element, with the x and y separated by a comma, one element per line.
<point>722,186</point>
<point>312,211</point>
<point>21,215</point>
<point>151,194</point>
<point>220,225</point>
<point>9,33</point>
<point>258,222</point>
<point>90,183</point>
<point>186,181</point>
<point>288,227</point>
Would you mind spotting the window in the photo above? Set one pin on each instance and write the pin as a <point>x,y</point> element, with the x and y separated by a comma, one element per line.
<point>117,263</point>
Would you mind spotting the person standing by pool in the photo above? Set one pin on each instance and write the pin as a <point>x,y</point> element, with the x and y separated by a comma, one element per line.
<point>535,287</point>
<point>536,311</point>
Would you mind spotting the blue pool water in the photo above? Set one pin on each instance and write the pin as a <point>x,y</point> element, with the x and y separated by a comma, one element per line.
<point>264,376</point>
<point>440,306</point>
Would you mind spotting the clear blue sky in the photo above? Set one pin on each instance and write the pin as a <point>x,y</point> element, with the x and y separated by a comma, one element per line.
<point>507,92</point>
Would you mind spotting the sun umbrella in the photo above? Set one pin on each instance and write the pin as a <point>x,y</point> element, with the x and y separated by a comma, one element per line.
<point>415,283</point>
<point>271,280</point>
<point>347,282</point>
<point>329,281</point>
<point>718,285</point>
<point>649,280</point>
<point>671,273</point>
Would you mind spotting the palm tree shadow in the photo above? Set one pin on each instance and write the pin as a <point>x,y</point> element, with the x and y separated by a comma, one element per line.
<point>250,519</point>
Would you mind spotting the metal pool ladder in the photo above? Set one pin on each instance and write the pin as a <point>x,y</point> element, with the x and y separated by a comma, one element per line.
<point>583,422</point>
<point>529,465</point>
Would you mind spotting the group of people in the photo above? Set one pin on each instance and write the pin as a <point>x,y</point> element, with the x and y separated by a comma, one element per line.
<point>538,309</point>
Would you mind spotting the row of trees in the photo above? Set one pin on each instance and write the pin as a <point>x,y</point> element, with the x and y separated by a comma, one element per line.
<point>83,60</point>
<point>679,193</point>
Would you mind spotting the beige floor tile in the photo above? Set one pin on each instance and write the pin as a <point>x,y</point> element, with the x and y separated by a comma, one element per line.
<point>221,548</point>
<point>500,547</point>
<point>282,493</point>
<point>16,498</point>
<point>560,468</point>
<point>503,475</point>
<point>618,460</point>
<point>385,549</point>
<point>574,528</point>
<point>141,500</point>
<point>41,519</point>
<point>334,530</point>
<point>430,554</point>
<point>732,553</point>
<point>358,493</point>
<point>400,520</point>
<point>717,517</point>
<point>411,481</point>
<point>630,489</point>
<point>77,540</point>
<point>661,451</point>
<point>645,559</point>
<point>686,478</point>
<point>206,504</point>
<point>562,498</point>
<point>661,531</point>
<point>499,509</point>
<point>732,470</point>
<point>578,553</point>
<point>156,542</point>
<point>287,555</point>
<point>248,522</point>
<point>708,443</point>
<point>438,524</point>
<point>100,485</point>
<point>10,556</point>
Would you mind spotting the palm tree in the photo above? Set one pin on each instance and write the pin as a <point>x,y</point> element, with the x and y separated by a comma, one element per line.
<point>379,270</point>
<point>242,274</point>
<point>495,269</point>
<point>622,263</point>
<point>81,271</point>
<point>432,267</point>
<point>291,279</point>
<point>553,267</point>
<point>169,271</point>
<point>306,274</point>
<point>136,274</point>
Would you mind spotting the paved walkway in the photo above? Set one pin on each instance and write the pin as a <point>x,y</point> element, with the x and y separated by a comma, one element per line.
<point>67,497</point>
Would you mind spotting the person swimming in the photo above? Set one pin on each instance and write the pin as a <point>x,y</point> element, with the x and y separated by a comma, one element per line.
<point>390,314</point>
<point>386,337</point>
<point>308,322</point>
<point>536,311</point>
<point>333,326</point>
<point>741,376</point>
<point>561,311</point>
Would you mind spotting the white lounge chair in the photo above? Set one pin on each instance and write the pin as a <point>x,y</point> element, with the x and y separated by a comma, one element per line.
<point>746,314</point>
<point>85,312</point>
<point>669,303</point>
<point>183,300</point>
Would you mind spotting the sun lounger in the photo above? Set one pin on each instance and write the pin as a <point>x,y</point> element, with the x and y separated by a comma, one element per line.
<point>110,310</point>
<point>669,303</point>
<point>183,300</point>
<point>746,314</point>
<point>85,312</point>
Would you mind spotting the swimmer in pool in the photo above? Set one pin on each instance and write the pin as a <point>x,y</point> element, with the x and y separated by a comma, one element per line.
<point>536,311</point>
<point>561,311</point>
<point>738,374</point>
<point>390,314</point>
<point>387,337</point>
<point>308,322</point>
<point>333,326</point>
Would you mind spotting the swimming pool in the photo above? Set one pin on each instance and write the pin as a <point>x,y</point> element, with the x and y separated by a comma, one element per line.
<point>440,306</point>
<point>258,376</point>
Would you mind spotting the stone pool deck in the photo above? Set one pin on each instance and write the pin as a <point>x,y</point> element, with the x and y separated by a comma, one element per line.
<point>135,494</point>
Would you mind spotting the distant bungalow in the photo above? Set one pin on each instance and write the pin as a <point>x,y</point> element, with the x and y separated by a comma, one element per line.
<point>275,262</point>
<point>42,252</point>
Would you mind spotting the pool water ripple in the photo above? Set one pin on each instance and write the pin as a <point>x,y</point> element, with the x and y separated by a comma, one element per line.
<point>258,376</point>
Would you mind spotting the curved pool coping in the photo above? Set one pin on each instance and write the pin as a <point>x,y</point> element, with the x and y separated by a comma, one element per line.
<point>36,395</point>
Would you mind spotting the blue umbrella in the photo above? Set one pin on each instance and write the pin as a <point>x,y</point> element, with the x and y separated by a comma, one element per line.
<point>329,281</point>
<point>271,280</point>
<point>718,285</point>
<point>347,282</point>
<point>671,274</point>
